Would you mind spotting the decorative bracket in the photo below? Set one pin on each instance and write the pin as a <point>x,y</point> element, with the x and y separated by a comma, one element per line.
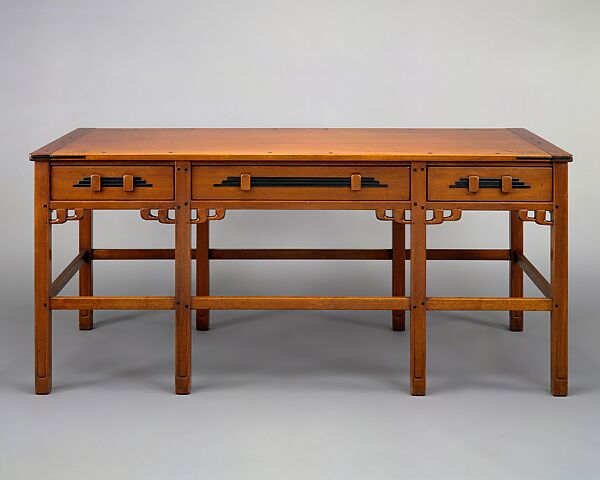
<point>202,215</point>
<point>398,216</point>
<point>539,217</point>
<point>62,215</point>
<point>162,216</point>
<point>439,217</point>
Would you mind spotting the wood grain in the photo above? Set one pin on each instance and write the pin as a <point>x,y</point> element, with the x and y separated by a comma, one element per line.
<point>86,276</point>
<point>491,303</point>
<point>300,303</point>
<point>43,279</point>
<point>183,279</point>
<point>63,179</point>
<point>202,272</point>
<point>418,269</point>
<point>486,144</point>
<point>559,266</point>
<point>206,183</point>
<point>398,272</point>
<point>440,179</point>
<point>515,271</point>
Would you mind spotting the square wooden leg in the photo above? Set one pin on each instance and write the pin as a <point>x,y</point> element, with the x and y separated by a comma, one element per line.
<point>202,272</point>
<point>86,319</point>
<point>418,264</point>
<point>43,280</point>
<point>398,273</point>
<point>559,279</point>
<point>183,268</point>
<point>515,273</point>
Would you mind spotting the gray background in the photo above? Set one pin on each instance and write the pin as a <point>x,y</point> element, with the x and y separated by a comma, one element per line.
<point>298,394</point>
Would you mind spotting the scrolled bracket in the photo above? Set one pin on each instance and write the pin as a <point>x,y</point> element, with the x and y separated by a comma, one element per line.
<point>398,216</point>
<point>62,215</point>
<point>538,217</point>
<point>203,215</point>
<point>439,217</point>
<point>162,216</point>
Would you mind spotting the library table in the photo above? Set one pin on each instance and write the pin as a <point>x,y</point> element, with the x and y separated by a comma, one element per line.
<point>189,176</point>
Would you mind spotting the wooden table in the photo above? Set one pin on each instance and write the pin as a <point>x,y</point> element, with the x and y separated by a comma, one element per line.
<point>415,177</point>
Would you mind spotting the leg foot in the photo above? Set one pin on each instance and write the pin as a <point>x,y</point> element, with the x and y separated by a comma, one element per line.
<point>86,320</point>
<point>43,386</point>
<point>516,322</point>
<point>398,321</point>
<point>560,387</point>
<point>417,387</point>
<point>202,320</point>
<point>182,385</point>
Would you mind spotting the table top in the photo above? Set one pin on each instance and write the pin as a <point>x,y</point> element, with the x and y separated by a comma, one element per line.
<point>335,144</point>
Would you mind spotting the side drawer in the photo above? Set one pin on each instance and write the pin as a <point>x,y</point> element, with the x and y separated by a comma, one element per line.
<point>111,183</point>
<point>489,184</point>
<point>240,182</point>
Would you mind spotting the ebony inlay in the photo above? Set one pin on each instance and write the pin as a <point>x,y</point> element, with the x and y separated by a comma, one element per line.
<point>112,182</point>
<point>367,182</point>
<point>463,182</point>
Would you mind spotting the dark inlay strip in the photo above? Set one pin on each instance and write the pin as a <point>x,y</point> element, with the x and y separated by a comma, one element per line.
<point>489,183</point>
<point>86,182</point>
<point>366,182</point>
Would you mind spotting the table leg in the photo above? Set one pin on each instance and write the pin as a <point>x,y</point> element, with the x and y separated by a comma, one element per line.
<point>418,264</point>
<point>559,279</point>
<point>202,272</point>
<point>43,280</point>
<point>86,318</point>
<point>183,260</point>
<point>398,272</point>
<point>515,273</point>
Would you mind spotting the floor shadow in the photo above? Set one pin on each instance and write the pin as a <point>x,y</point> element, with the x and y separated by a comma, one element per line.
<point>123,317</point>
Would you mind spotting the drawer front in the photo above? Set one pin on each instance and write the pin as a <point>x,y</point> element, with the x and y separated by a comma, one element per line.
<point>111,183</point>
<point>300,183</point>
<point>489,184</point>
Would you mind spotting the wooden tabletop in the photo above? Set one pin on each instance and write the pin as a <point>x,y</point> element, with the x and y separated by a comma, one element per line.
<point>491,144</point>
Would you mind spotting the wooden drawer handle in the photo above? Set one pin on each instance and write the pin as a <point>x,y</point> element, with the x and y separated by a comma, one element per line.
<point>245,181</point>
<point>473,183</point>
<point>96,183</point>
<point>355,182</point>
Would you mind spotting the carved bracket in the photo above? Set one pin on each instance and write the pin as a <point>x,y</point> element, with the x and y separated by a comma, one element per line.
<point>62,215</point>
<point>440,217</point>
<point>538,217</point>
<point>398,216</point>
<point>203,215</point>
<point>162,216</point>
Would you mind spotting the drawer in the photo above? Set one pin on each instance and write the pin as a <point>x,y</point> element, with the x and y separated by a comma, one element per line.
<point>240,182</point>
<point>489,184</point>
<point>111,183</point>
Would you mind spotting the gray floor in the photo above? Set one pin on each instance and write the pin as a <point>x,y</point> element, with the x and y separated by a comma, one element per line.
<point>297,395</point>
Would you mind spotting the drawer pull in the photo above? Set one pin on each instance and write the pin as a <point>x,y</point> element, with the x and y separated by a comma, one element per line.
<point>245,181</point>
<point>473,183</point>
<point>354,182</point>
<point>96,183</point>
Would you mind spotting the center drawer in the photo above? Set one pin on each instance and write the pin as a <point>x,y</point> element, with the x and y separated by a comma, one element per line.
<point>237,182</point>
